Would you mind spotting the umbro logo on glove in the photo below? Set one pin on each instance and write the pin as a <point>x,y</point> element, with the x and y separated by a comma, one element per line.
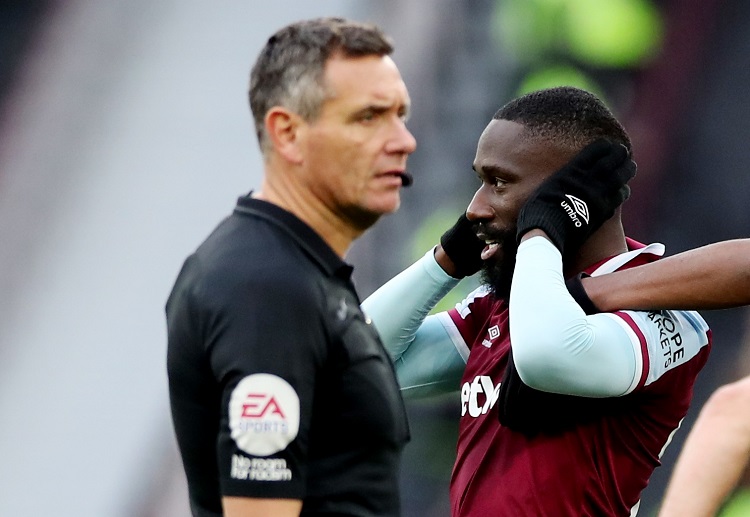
<point>576,200</point>
<point>576,207</point>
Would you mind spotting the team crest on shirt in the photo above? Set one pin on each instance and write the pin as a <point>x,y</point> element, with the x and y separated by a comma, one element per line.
<point>264,414</point>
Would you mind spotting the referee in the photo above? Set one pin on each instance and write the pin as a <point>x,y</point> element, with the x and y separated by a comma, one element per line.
<point>283,399</point>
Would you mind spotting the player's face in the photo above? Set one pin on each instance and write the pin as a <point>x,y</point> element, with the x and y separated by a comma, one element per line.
<point>357,148</point>
<point>510,167</point>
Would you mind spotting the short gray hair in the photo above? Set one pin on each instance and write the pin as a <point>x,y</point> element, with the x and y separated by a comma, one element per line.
<point>289,70</point>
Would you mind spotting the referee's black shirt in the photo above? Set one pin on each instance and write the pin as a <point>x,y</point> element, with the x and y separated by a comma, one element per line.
<point>279,387</point>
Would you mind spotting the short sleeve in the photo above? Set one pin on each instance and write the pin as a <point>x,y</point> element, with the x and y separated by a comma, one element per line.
<point>266,342</point>
<point>668,341</point>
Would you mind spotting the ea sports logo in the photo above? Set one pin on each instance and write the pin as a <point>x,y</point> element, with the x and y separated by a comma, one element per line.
<point>576,208</point>
<point>264,414</point>
<point>258,405</point>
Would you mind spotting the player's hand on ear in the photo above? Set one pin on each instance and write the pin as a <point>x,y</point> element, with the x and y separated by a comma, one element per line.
<point>577,199</point>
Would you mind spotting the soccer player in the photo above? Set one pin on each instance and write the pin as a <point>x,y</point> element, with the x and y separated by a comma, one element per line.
<point>562,413</point>
<point>717,449</point>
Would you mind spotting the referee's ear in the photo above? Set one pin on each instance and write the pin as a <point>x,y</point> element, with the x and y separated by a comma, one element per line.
<point>287,131</point>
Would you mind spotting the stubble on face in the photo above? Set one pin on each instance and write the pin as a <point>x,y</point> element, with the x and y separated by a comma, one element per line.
<point>359,141</point>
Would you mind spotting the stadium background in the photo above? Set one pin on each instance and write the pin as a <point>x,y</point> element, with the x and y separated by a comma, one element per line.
<point>125,137</point>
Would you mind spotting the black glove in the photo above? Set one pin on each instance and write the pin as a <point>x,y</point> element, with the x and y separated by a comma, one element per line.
<point>576,200</point>
<point>463,247</point>
<point>576,290</point>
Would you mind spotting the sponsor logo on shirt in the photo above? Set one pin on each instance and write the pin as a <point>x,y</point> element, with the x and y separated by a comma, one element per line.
<point>576,209</point>
<point>670,339</point>
<point>492,333</point>
<point>263,414</point>
<point>259,469</point>
<point>479,396</point>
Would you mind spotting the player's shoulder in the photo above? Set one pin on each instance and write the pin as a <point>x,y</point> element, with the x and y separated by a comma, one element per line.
<point>679,325</point>
<point>478,300</point>
<point>668,340</point>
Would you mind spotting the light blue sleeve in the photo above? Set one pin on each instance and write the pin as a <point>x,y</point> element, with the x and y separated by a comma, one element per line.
<point>556,346</point>
<point>427,361</point>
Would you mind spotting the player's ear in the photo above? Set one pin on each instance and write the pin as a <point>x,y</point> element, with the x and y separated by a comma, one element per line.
<point>285,129</point>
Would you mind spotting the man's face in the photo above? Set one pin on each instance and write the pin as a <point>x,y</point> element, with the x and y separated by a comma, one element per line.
<point>356,149</point>
<point>510,167</point>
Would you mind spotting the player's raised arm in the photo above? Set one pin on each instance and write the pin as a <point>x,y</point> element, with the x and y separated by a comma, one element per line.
<point>715,276</point>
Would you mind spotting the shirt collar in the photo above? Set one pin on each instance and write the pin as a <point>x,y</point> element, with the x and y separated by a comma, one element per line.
<point>636,255</point>
<point>303,235</point>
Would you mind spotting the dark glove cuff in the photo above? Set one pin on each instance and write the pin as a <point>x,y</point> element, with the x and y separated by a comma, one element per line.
<point>576,290</point>
<point>553,221</point>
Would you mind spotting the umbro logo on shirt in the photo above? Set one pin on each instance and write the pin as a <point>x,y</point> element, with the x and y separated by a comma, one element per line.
<point>576,209</point>
<point>492,333</point>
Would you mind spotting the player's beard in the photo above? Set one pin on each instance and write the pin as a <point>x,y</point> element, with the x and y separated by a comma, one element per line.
<point>497,272</point>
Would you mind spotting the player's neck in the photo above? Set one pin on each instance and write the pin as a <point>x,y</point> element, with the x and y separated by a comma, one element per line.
<point>606,242</point>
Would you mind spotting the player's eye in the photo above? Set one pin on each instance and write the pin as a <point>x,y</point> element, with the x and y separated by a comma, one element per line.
<point>498,182</point>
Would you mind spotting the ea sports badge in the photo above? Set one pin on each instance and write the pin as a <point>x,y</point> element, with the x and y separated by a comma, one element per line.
<point>264,414</point>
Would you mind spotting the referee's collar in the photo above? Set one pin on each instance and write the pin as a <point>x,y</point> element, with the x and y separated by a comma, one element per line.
<point>305,236</point>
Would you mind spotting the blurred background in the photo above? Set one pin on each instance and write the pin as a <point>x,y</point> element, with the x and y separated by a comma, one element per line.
<point>125,137</point>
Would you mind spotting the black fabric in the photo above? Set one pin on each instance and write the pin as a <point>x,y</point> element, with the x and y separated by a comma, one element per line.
<point>530,411</point>
<point>577,291</point>
<point>596,178</point>
<point>265,295</point>
<point>463,247</point>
